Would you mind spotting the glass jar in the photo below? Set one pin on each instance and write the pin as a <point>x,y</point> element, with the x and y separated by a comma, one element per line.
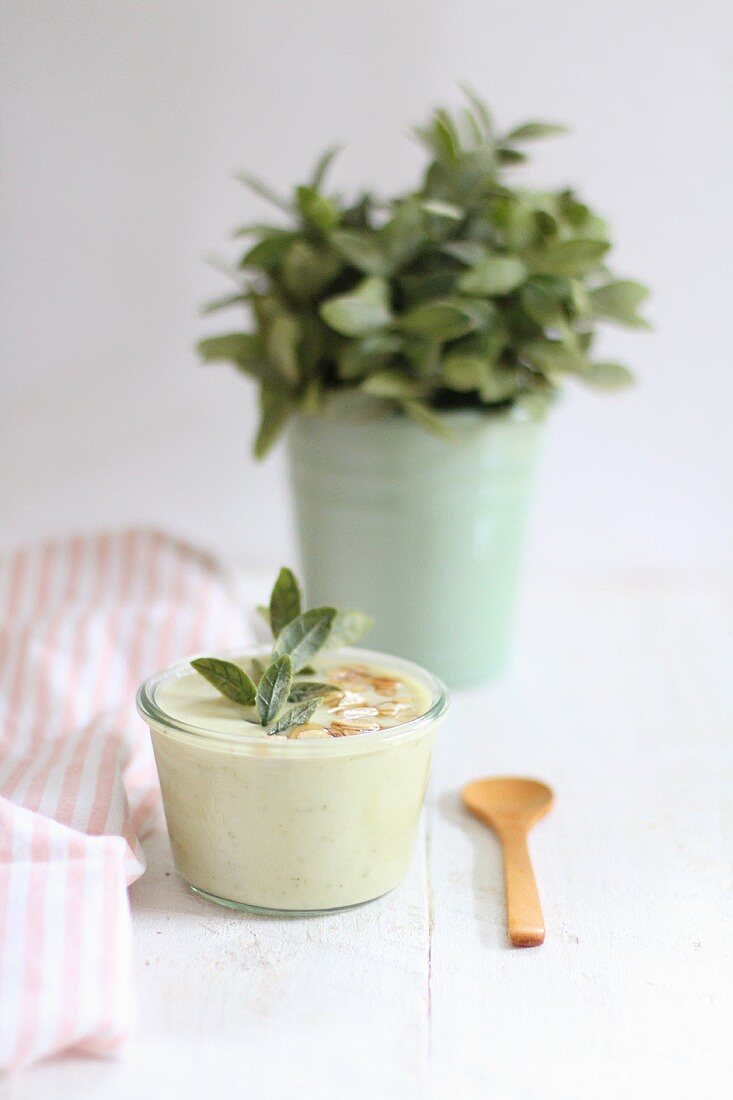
<point>293,826</point>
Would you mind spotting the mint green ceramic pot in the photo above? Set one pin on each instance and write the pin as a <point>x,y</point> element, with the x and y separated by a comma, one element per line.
<point>422,533</point>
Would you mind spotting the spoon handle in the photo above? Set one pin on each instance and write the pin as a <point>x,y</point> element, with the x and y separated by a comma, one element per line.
<point>525,923</point>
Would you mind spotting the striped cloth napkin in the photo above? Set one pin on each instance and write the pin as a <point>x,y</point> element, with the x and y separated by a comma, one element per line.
<point>82,622</point>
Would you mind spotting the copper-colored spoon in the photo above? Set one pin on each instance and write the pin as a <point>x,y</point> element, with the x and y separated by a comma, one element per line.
<point>511,807</point>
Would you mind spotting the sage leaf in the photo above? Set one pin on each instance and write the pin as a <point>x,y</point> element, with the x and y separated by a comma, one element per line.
<point>258,668</point>
<point>274,688</point>
<point>348,628</point>
<point>294,716</point>
<point>227,678</point>
<point>310,689</point>
<point>303,637</point>
<point>285,601</point>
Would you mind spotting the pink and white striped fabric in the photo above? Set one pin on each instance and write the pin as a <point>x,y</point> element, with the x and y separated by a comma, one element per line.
<point>82,622</point>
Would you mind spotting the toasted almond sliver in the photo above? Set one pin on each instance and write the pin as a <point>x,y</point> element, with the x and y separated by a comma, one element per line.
<point>355,714</point>
<point>348,729</point>
<point>308,730</point>
<point>386,685</point>
<point>345,699</point>
<point>395,707</point>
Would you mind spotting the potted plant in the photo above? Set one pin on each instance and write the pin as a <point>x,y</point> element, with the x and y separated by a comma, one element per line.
<point>412,347</point>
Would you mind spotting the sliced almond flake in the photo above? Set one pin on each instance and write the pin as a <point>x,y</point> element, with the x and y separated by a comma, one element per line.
<point>308,730</point>
<point>345,699</point>
<point>348,729</point>
<point>396,707</point>
<point>386,685</point>
<point>355,714</point>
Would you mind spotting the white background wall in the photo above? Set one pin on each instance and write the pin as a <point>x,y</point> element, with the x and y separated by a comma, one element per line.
<point>122,122</point>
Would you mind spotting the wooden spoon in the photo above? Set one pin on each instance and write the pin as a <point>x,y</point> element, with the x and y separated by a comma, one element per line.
<point>511,807</point>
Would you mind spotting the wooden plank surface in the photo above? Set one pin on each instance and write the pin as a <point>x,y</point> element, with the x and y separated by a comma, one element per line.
<point>621,698</point>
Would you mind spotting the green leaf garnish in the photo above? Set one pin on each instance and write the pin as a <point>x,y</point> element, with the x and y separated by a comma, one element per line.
<point>285,601</point>
<point>294,716</point>
<point>303,637</point>
<point>300,635</point>
<point>347,628</point>
<point>274,688</point>
<point>228,678</point>
<point>311,689</point>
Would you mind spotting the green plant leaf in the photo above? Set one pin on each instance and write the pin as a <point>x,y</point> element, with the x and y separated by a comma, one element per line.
<point>567,257</point>
<point>242,349</point>
<point>227,678</point>
<point>470,253</point>
<point>361,312</point>
<point>282,346</point>
<point>264,191</point>
<point>463,373</point>
<point>274,688</point>
<point>308,270</point>
<point>445,319</point>
<point>543,301</point>
<point>294,716</point>
<point>552,356</point>
<point>285,601</point>
<point>311,689</point>
<point>322,166</point>
<point>304,636</point>
<point>276,407</point>
<point>362,250</point>
<point>500,384</point>
<point>403,237</point>
<point>257,668</point>
<point>607,376</point>
<point>223,303</point>
<point>237,347</point>
<point>619,301</point>
<point>494,275</point>
<point>391,384</point>
<point>426,418</point>
<point>440,209</point>
<point>317,210</point>
<point>268,254</point>
<point>361,357</point>
<point>348,628</point>
<point>505,155</point>
<point>530,131</point>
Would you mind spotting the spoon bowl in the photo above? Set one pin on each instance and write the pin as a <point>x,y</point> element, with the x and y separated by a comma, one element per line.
<point>507,799</point>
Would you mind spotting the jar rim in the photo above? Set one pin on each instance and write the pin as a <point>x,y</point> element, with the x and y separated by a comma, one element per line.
<point>154,714</point>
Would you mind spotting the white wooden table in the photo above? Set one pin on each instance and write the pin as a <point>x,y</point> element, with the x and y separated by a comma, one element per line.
<point>620,697</point>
